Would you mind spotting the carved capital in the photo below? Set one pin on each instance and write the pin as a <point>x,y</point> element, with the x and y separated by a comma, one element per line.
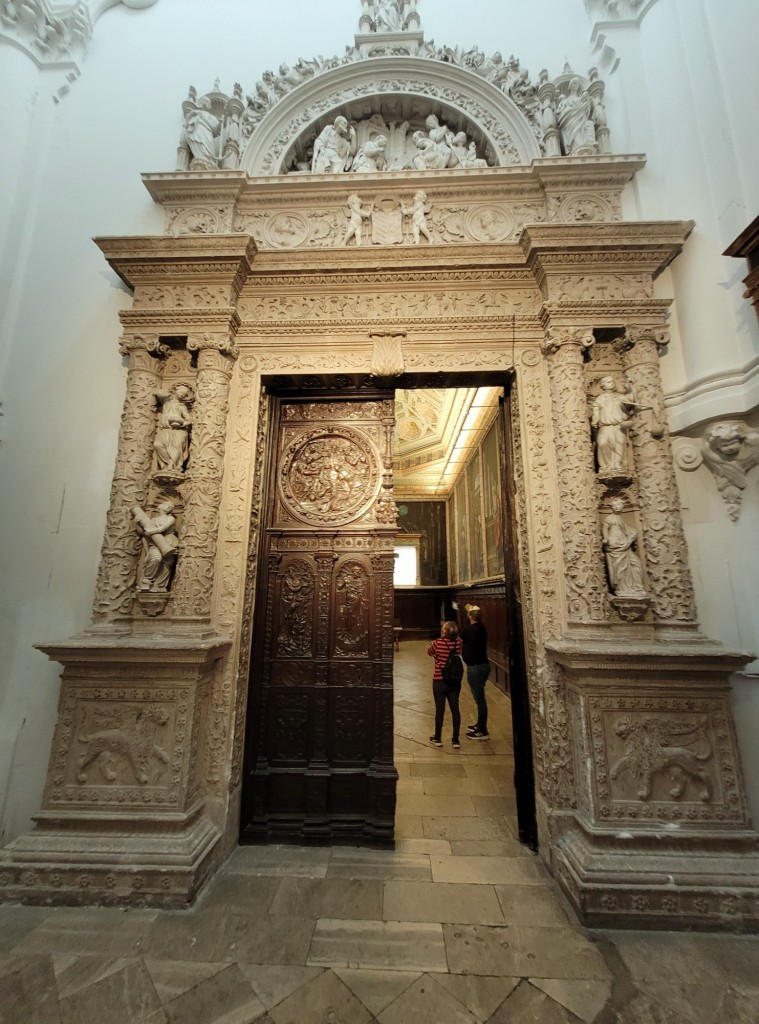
<point>639,336</point>
<point>557,337</point>
<point>221,343</point>
<point>130,344</point>
<point>387,354</point>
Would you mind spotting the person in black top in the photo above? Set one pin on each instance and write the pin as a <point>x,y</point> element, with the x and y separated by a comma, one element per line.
<point>474,651</point>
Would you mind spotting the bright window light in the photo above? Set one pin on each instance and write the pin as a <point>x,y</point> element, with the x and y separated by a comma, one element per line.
<point>406,569</point>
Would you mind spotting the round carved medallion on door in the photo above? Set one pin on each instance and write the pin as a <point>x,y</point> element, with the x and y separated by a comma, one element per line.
<point>287,230</point>
<point>329,476</point>
<point>489,224</point>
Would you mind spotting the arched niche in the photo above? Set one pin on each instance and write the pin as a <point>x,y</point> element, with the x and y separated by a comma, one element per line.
<point>391,87</point>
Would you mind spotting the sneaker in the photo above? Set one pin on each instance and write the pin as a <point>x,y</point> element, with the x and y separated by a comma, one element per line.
<point>471,728</point>
<point>456,745</point>
<point>435,743</point>
<point>475,734</point>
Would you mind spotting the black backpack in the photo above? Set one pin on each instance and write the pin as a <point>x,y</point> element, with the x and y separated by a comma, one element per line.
<point>453,670</point>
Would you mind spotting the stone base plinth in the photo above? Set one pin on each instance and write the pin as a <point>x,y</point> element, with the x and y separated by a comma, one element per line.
<point>631,882</point>
<point>110,862</point>
<point>124,816</point>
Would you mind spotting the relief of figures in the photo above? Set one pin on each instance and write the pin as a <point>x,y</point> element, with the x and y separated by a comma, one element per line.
<point>123,737</point>
<point>334,148</point>
<point>357,214</point>
<point>295,611</point>
<point>329,476</point>
<point>679,747</point>
<point>351,632</point>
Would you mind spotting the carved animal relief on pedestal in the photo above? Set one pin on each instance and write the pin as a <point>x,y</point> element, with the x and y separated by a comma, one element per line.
<point>123,744</point>
<point>679,748</point>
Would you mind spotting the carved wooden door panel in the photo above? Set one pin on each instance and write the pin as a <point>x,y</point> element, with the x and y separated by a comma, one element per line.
<point>319,747</point>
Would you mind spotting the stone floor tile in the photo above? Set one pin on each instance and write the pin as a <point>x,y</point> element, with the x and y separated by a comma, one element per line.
<point>172,978</point>
<point>73,973</point>
<point>478,949</point>
<point>490,870</point>
<point>676,958</point>
<point>224,998</point>
<point>441,847</point>
<point>585,999</point>
<point>436,806</point>
<point>377,989</point>
<point>408,826</point>
<point>480,994</point>
<point>309,861</point>
<point>325,999</point>
<point>639,1009</point>
<point>382,864</point>
<point>16,922</point>
<point>406,786</point>
<point>426,1002</point>
<point>269,940</point>
<point>465,828</point>
<point>96,930</point>
<point>403,767</point>
<point>28,991</point>
<point>556,953</point>
<point>493,806</point>
<point>739,1006</point>
<point>433,901</point>
<point>378,944</point>
<point>437,769</point>
<point>343,897</point>
<point>528,1005</point>
<point>273,983</point>
<point>252,893</point>
<point>535,905</point>
<point>478,786</point>
<point>194,936</point>
<point>489,848</point>
<point>126,996</point>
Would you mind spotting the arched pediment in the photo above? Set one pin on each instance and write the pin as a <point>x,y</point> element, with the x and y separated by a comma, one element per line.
<point>397,88</point>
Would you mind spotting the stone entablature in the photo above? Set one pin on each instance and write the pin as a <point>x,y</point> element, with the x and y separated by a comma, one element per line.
<point>461,207</point>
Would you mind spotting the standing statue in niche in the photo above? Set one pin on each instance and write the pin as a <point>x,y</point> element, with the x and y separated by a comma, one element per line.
<point>199,136</point>
<point>161,543</point>
<point>575,121</point>
<point>388,15</point>
<point>619,541</point>
<point>442,137</point>
<point>172,439</point>
<point>610,417</point>
<point>357,214</point>
<point>334,148</point>
<point>418,213</point>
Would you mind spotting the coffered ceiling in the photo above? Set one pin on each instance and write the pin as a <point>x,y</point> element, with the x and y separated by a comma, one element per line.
<point>436,433</point>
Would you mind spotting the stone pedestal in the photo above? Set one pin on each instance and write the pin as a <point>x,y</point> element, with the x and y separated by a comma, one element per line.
<point>124,817</point>
<point>662,835</point>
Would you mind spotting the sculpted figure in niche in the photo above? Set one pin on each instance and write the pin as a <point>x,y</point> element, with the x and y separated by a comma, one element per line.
<point>611,412</point>
<point>199,135</point>
<point>172,439</point>
<point>575,121</point>
<point>334,148</point>
<point>388,15</point>
<point>357,214</point>
<point>427,157</point>
<point>161,544</point>
<point>418,213</point>
<point>619,541</point>
<point>371,156</point>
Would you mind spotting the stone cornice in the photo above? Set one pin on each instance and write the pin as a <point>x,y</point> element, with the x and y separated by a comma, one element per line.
<point>139,257</point>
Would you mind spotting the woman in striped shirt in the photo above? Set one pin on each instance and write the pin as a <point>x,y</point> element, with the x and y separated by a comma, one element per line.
<point>439,650</point>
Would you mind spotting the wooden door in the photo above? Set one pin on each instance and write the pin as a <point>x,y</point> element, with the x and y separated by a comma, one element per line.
<point>319,747</point>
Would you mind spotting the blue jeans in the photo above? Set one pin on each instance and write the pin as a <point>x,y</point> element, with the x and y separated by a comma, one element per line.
<point>476,676</point>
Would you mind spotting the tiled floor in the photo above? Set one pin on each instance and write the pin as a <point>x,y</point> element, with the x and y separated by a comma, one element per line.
<point>459,925</point>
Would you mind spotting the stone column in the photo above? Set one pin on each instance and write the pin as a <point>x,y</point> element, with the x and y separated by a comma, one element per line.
<point>666,552</point>
<point>583,563</point>
<point>193,586</point>
<point>121,545</point>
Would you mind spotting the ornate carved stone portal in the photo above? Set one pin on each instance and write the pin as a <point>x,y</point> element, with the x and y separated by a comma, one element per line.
<point>257,301</point>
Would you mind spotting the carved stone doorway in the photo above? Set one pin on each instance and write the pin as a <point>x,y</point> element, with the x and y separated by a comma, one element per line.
<point>319,739</point>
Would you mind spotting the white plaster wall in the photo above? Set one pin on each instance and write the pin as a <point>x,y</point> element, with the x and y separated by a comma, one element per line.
<point>78,165</point>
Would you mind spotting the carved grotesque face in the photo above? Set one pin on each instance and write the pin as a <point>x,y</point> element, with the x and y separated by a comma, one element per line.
<point>725,440</point>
